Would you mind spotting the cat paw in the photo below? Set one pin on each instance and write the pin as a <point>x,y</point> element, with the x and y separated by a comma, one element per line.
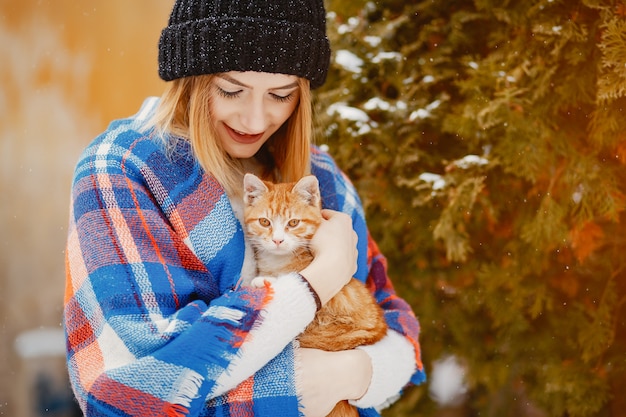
<point>260,282</point>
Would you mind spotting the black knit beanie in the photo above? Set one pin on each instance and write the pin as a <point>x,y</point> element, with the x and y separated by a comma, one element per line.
<point>277,36</point>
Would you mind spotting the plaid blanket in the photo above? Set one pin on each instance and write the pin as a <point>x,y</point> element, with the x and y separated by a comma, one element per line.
<point>154,317</point>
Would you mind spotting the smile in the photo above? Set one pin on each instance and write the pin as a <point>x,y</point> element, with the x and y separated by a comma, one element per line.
<point>241,137</point>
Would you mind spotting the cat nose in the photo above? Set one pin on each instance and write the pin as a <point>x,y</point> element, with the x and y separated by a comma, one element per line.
<point>278,237</point>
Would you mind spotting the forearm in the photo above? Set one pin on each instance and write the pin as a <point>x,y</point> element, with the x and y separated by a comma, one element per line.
<point>198,355</point>
<point>287,314</point>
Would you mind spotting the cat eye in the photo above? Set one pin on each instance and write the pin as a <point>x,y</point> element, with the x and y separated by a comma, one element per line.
<point>264,222</point>
<point>293,222</point>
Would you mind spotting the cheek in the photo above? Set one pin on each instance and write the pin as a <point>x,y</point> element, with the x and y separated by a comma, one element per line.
<point>299,237</point>
<point>219,108</point>
<point>283,112</point>
<point>304,233</point>
<point>261,238</point>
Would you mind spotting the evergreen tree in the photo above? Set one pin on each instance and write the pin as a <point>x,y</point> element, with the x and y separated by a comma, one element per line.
<point>487,139</point>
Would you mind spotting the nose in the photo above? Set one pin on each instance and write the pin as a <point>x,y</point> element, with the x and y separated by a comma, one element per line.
<point>254,117</point>
<point>278,238</point>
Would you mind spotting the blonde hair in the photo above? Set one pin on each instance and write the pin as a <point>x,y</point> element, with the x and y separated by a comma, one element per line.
<point>184,114</point>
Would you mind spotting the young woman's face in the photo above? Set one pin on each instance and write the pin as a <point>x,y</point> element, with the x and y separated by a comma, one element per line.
<point>248,107</point>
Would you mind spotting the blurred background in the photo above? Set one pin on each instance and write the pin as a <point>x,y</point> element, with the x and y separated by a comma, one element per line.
<point>67,68</point>
<point>486,138</point>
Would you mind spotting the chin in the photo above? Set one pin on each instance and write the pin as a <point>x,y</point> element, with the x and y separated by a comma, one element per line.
<point>243,150</point>
<point>242,153</point>
<point>239,155</point>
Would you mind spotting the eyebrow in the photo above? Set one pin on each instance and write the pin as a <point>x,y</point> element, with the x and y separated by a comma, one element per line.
<point>239,83</point>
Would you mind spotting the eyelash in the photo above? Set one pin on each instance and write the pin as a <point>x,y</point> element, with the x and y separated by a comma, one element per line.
<point>235,94</point>
<point>227,94</point>
<point>283,99</point>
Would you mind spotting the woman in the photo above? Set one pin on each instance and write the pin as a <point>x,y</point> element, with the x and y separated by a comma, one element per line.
<point>156,318</point>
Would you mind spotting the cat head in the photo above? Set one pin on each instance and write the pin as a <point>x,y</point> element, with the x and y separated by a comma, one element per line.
<point>281,218</point>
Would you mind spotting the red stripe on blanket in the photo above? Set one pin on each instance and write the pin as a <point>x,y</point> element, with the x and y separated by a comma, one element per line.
<point>153,241</point>
<point>240,399</point>
<point>132,401</point>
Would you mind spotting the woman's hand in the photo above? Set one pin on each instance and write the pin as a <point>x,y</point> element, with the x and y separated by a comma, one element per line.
<point>335,255</point>
<point>325,378</point>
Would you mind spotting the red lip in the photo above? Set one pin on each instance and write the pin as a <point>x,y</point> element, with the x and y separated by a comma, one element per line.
<point>242,138</point>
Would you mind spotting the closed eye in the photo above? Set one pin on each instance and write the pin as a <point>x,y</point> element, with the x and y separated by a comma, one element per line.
<point>282,99</point>
<point>228,94</point>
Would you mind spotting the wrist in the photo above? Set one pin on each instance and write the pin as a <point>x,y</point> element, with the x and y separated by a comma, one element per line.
<point>359,366</point>
<point>311,274</point>
<point>316,297</point>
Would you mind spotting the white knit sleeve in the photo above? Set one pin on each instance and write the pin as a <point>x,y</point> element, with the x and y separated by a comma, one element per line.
<point>393,364</point>
<point>288,313</point>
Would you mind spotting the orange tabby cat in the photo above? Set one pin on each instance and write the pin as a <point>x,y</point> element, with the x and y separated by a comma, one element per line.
<point>280,220</point>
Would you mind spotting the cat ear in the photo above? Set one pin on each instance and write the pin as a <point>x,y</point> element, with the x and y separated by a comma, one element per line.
<point>253,188</point>
<point>309,189</point>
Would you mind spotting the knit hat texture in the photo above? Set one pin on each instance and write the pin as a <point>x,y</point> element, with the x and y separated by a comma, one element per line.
<point>277,36</point>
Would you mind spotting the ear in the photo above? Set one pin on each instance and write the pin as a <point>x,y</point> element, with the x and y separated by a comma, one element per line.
<point>309,189</point>
<point>253,188</point>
